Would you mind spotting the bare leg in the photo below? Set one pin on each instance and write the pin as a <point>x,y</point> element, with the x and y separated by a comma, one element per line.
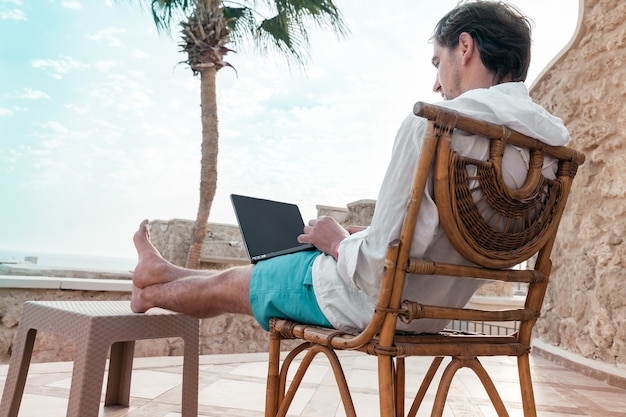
<point>158,283</point>
<point>199,296</point>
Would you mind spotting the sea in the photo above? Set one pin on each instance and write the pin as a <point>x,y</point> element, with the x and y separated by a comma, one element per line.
<point>66,260</point>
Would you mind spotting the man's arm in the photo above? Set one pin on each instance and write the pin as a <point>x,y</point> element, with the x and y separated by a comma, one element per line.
<point>352,229</point>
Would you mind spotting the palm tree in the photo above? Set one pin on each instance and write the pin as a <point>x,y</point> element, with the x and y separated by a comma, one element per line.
<point>207,27</point>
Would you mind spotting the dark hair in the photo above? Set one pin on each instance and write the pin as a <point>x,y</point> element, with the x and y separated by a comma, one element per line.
<point>502,33</point>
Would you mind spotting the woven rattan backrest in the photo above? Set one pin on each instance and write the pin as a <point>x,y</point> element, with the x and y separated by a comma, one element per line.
<point>490,224</point>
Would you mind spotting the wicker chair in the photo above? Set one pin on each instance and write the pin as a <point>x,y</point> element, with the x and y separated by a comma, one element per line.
<point>492,226</point>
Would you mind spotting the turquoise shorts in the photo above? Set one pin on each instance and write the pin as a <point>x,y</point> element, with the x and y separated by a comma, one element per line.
<point>282,287</point>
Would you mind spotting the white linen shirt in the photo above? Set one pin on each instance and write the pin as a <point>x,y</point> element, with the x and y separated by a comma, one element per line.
<point>347,289</point>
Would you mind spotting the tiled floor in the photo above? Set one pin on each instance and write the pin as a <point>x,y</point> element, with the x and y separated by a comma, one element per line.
<point>234,386</point>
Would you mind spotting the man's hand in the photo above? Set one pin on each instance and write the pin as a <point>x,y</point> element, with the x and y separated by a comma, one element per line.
<point>325,234</point>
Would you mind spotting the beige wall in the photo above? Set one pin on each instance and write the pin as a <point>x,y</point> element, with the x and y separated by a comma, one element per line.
<point>228,333</point>
<point>585,308</point>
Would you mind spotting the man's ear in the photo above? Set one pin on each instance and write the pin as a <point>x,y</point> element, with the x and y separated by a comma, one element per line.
<point>468,47</point>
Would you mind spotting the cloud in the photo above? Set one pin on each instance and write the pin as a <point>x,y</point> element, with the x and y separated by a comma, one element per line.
<point>77,108</point>
<point>9,158</point>
<point>105,66</point>
<point>14,14</point>
<point>109,36</point>
<point>60,66</point>
<point>138,53</point>
<point>30,94</point>
<point>51,135</point>
<point>75,5</point>
<point>5,112</point>
<point>55,127</point>
<point>124,92</point>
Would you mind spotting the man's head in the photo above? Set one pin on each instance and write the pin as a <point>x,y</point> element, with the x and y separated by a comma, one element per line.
<point>487,34</point>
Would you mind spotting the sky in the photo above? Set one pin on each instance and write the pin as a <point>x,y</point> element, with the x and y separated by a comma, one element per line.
<point>100,121</point>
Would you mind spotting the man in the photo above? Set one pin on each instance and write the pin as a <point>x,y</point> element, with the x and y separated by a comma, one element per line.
<point>481,52</point>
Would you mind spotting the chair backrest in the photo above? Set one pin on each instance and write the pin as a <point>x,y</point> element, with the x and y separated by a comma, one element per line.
<point>487,222</point>
<point>491,225</point>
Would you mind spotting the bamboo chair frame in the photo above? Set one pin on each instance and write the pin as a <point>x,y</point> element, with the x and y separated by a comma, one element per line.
<point>494,229</point>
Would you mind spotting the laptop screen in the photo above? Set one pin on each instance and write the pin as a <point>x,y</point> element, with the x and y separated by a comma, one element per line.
<point>268,228</point>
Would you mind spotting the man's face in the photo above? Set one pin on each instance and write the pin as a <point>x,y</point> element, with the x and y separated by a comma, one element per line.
<point>447,62</point>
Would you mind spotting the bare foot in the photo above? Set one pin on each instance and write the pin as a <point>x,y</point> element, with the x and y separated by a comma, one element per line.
<point>151,267</point>
<point>137,303</point>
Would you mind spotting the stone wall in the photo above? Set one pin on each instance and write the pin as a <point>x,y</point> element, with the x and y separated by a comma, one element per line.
<point>222,242</point>
<point>48,348</point>
<point>585,307</point>
<point>228,333</point>
<point>358,213</point>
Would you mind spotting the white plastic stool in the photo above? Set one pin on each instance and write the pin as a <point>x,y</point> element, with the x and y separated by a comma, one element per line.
<point>96,327</point>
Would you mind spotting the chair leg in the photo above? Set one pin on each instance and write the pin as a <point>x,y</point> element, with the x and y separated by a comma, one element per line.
<point>444,386</point>
<point>272,392</point>
<point>526,385</point>
<point>446,379</point>
<point>286,399</point>
<point>400,381</point>
<point>386,386</point>
<point>340,378</point>
<point>428,379</point>
<point>477,367</point>
<point>284,370</point>
<point>191,362</point>
<point>120,373</point>
<point>87,378</point>
<point>18,371</point>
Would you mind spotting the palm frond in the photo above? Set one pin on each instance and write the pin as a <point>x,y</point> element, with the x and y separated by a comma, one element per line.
<point>241,22</point>
<point>319,12</point>
<point>164,11</point>
<point>282,25</point>
<point>278,25</point>
<point>283,35</point>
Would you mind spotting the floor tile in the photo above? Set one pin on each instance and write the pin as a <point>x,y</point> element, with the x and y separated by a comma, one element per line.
<point>32,406</point>
<point>144,384</point>
<point>314,375</point>
<point>610,401</point>
<point>234,386</point>
<point>247,396</point>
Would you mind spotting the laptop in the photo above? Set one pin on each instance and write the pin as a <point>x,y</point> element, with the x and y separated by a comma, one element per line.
<point>268,228</point>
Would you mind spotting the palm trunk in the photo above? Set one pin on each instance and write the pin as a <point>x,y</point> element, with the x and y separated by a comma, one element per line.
<point>208,170</point>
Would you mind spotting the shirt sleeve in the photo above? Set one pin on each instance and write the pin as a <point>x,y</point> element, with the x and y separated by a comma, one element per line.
<point>362,255</point>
